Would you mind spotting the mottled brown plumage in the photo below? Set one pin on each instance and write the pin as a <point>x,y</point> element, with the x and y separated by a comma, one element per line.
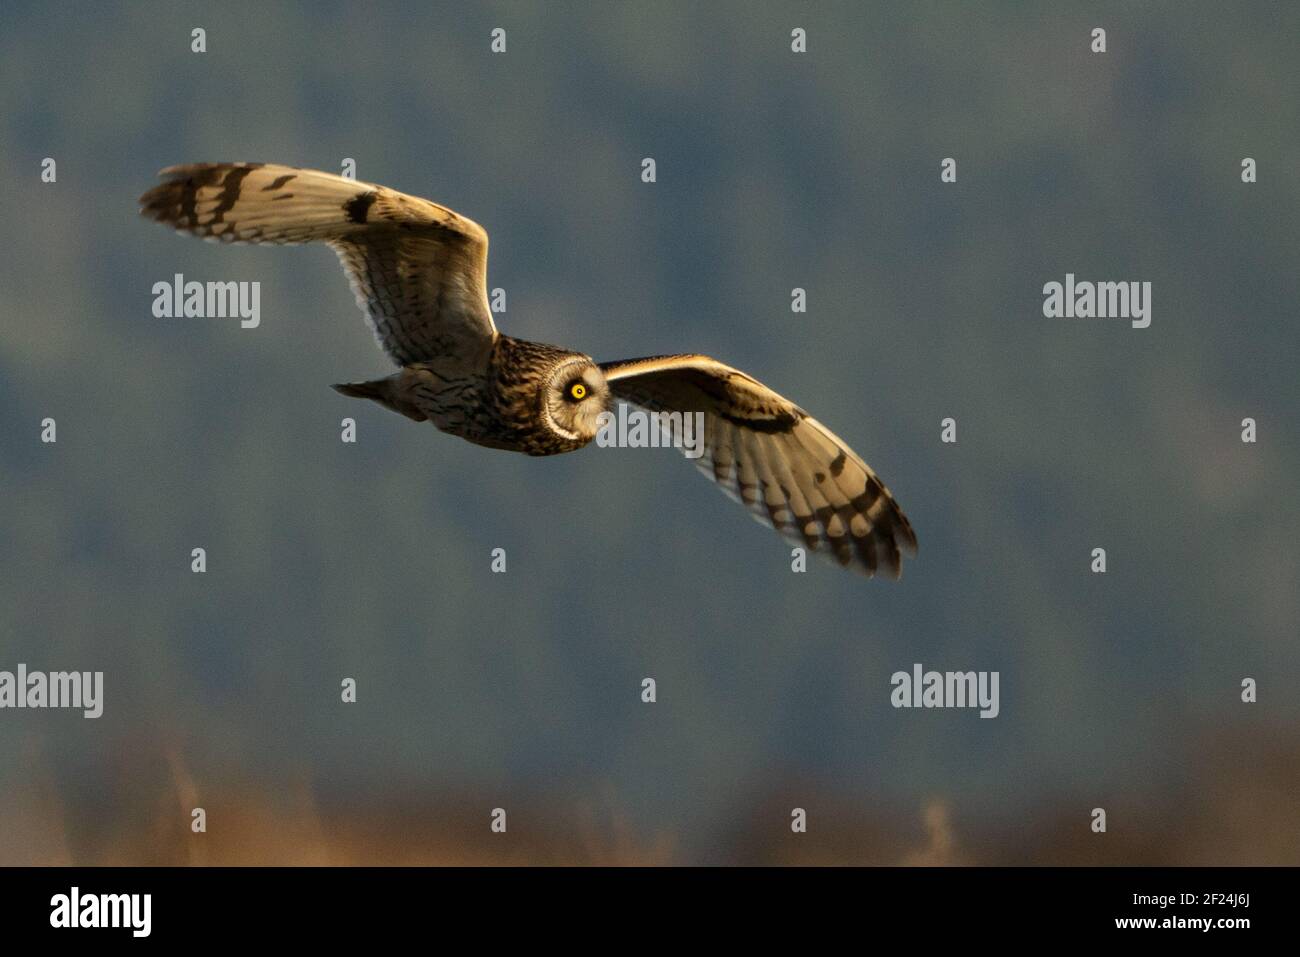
<point>419,273</point>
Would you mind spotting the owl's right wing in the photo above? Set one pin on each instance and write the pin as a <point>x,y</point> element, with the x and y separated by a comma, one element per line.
<point>788,469</point>
<point>418,270</point>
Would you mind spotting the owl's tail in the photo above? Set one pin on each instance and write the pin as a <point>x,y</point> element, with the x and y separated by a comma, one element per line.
<point>384,391</point>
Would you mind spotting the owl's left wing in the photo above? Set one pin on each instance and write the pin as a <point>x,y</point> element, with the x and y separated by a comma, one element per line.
<point>418,270</point>
<point>788,469</point>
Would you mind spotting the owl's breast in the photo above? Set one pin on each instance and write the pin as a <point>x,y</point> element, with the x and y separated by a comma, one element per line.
<point>488,411</point>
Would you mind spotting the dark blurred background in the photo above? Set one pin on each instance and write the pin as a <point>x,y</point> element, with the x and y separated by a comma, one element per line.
<point>775,170</point>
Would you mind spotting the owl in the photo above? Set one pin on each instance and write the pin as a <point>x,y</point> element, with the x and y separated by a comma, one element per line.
<point>419,273</point>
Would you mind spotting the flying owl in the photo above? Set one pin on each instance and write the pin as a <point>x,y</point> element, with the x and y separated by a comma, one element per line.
<point>419,272</point>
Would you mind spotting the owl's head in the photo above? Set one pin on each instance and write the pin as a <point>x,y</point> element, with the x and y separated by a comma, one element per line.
<point>574,395</point>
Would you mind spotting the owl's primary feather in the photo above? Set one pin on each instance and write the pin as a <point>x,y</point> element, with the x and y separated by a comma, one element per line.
<point>788,469</point>
<point>419,272</point>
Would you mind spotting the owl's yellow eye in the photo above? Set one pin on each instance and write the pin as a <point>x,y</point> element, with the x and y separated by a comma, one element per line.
<point>578,390</point>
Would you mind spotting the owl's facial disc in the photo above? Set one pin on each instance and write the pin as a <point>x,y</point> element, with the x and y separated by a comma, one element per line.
<point>576,393</point>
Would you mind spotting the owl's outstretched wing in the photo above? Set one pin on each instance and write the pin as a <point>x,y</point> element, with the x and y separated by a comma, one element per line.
<point>793,473</point>
<point>419,270</point>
